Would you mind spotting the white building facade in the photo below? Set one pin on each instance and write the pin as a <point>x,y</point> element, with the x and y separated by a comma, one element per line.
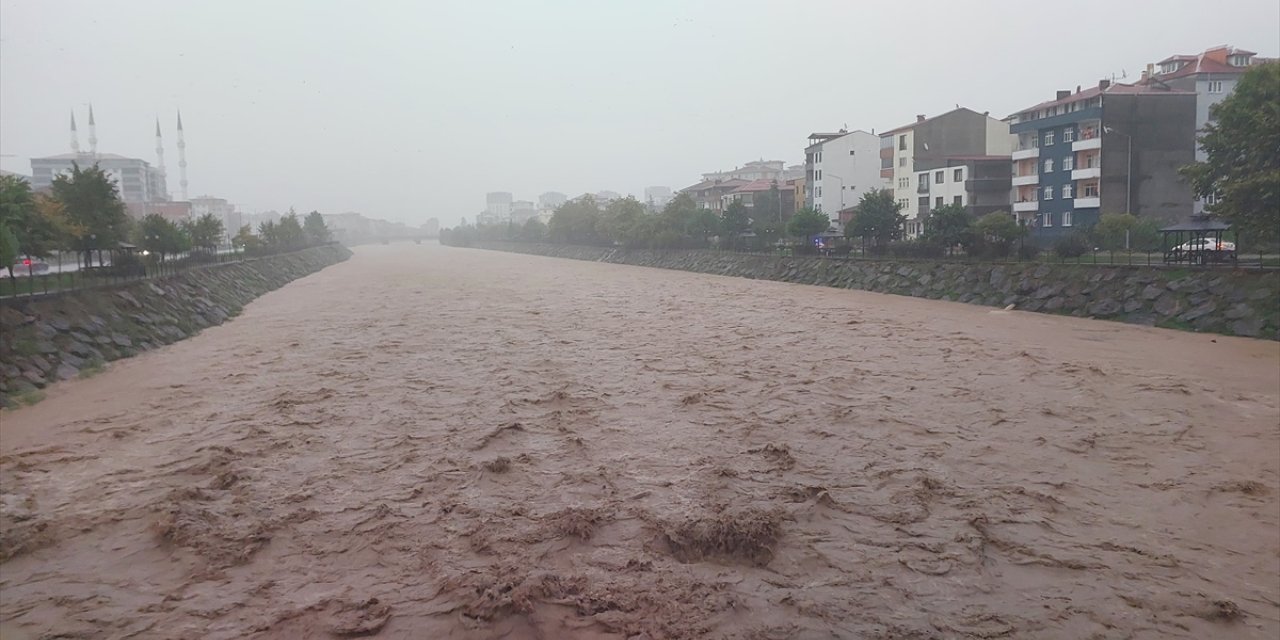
<point>839,169</point>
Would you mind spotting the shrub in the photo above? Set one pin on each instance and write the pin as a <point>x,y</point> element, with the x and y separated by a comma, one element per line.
<point>1072,245</point>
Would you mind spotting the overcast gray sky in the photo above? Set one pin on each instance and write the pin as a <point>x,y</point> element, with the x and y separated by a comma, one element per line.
<point>409,110</point>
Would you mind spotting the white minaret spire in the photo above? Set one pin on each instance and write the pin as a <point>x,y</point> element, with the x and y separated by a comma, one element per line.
<point>75,137</point>
<point>93,134</point>
<point>182,158</point>
<point>159,148</point>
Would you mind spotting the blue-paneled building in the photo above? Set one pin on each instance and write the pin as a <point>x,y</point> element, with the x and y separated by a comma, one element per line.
<point>1113,148</point>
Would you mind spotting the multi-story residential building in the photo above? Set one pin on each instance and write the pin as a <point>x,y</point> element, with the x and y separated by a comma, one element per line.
<point>980,184</point>
<point>751,193</point>
<point>522,210</point>
<point>136,179</point>
<point>839,168</point>
<point>1112,148</point>
<point>1211,75</point>
<point>497,208</point>
<point>657,197</point>
<point>757,170</point>
<point>709,194</point>
<point>926,144</point>
<point>547,204</point>
<point>220,208</point>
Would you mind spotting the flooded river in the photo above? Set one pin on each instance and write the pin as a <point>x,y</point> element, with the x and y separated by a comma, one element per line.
<point>427,442</point>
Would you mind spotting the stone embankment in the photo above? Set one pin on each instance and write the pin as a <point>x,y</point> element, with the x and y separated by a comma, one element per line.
<point>1231,302</point>
<point>74,333</point>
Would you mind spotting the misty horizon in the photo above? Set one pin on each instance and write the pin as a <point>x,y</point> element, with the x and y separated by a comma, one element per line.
<point>418,112</point>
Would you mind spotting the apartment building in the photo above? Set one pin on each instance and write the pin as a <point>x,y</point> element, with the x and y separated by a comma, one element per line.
<point>980,184</point>
<point>1211,75</point>
<point>709,194</point>
<point>924,145</point>
<point>780,195</point>
<point>838,169</point>
<point>1112,148</point>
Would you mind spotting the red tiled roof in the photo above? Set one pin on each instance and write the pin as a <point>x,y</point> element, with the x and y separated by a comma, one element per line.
<point>763,184</point>
<point>1214,60</point>
<point>709,184</point>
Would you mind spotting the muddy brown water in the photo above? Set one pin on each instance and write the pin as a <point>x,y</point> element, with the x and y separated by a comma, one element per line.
<point>427,442</point>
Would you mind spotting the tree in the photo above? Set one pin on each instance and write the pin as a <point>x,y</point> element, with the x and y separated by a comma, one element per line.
<point>576,222</point>
<point>289,233</point>
<point>205,232</point>
<point>161,237</point>
<point>994,234</point>
<point>316,230</point>
<point>624,221</point>
<point>8,248</point>
<point>533,231</point>
<point>92,204</point>
<point>807,223</point>
<point>36,226</point>
<point>947,226</point>
<point>246,240</point>
<point>268,234</point>
<point>735,222</point>
<point>1115,229</point>
<point>876,216</point>
<point>1242,145</point>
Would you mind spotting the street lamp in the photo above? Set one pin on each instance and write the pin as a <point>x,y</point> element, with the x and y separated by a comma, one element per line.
<point>1128,196</point>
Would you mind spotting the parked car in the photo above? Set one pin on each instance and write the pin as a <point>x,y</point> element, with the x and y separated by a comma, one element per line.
<point>1207,244</point>
<point>29,266</point>
<point>1208,250</point>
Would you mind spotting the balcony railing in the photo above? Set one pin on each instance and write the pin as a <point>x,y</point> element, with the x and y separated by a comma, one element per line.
<point>1026,205</point>
<point>1019,181</point>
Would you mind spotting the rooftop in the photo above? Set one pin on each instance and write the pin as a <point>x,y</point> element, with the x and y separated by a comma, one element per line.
<point>763,184</point>
<point>88,156</point>
<point>921,120</point>
<point>1215,60</point>
<point>1101,88</point>
<point>708,184</point>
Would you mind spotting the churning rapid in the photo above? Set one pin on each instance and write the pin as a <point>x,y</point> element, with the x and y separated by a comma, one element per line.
<point>427,442</point>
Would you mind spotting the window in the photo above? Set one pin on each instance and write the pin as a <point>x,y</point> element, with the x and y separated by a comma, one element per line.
<point>1048,219</point>
<point>1091,190</point>
<point>1048,193</point>
<point>937,202</point>
<point>1048,166</point>
<point>937,177</point>
<point>902,162</point>
<point>1238,61</point>
<point>902,203</point>
<point>902,142</point>
<point>924,179</point>
<point>818,176</point>
<point>1048,138</point>
<point>1068,163</point>
<point>1066,218</point>
<point>957,175</point>
<point>1068,134</point>
<point>1212,199</point>
<point>1091,161</point>
<point>958,201</point>
<point>818,192</point>
<point>1215,86</point>
<point>1066,191</point>
<point>851,152</point>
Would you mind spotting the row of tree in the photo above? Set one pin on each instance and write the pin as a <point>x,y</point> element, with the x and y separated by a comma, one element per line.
<point>83,213</point>
<point>628,223</point>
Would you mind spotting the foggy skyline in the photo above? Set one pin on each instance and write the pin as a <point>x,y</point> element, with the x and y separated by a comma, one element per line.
<point>408,112</point>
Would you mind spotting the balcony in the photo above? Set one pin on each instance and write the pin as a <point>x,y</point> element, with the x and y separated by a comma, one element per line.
<point>1092,202</point>
<point>923,187</point>
<point>1023,154</point>
<point>986,184</point>
<point>1087,144</point>
<point>1029,205</point>
<point>1086,173</point>
<point>1019,181</point>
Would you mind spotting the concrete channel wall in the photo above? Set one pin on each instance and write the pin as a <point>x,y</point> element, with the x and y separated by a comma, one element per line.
<point>43,340</point>
<point>1225,301</point>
